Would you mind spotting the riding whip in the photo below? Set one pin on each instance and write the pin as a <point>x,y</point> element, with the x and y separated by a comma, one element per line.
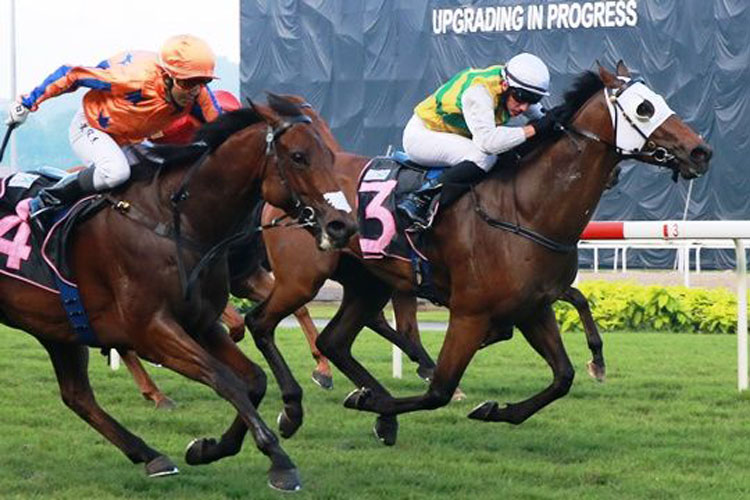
<point>6,138</point>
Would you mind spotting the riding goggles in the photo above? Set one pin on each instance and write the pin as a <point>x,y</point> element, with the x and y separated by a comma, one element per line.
<point>191,83</point>
<point>525,96</point>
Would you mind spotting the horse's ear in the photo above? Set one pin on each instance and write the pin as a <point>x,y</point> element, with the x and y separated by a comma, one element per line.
<point>260,111</point>
<point>622,70</point>
<point>609,79</point>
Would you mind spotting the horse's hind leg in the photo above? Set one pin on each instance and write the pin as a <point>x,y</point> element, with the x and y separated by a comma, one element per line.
<point>596,366</point>
<point>71,368</point>
<point>322,373</point>
<point>542,332</point>
<point>170,345</point>
<point>145,383</point>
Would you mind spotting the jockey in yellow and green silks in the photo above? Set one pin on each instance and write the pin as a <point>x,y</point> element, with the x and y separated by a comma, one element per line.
<point>462,125</point>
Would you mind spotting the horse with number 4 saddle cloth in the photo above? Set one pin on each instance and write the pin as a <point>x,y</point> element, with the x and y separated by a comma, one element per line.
<point>34,250</point>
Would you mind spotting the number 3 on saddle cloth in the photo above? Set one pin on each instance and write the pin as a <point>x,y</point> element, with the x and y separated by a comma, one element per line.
<point>36,253</point>
<point>383,229</point>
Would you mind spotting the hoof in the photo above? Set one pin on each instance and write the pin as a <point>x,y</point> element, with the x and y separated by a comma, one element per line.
<point>458,395</point>
<point>596,371</point>
<point>195,453</point>
<point>284,479</point>
<point>386,429</point>
<point>165,404</point>
<point>161,466</point>
<point>288,425</point>
<point>425,372</point>
<point>357,399</point>
<point>484,411</point>
<point>323,380</point>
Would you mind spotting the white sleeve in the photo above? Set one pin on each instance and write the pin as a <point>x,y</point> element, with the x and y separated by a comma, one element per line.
<point>479,115</point>
<point>534,111</point>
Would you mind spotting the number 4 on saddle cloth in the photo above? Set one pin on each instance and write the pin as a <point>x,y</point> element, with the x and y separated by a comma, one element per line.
<point>34,251</point>
<point>383,230</point>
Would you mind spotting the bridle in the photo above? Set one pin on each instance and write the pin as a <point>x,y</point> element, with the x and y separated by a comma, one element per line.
<point>305,215</point>
<point>659,154</point>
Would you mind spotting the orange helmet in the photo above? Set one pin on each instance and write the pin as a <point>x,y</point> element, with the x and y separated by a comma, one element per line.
<point>187,56</point>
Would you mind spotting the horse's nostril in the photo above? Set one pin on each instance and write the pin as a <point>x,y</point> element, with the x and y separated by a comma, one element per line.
<point>701,153</point>
<point>336,229</point>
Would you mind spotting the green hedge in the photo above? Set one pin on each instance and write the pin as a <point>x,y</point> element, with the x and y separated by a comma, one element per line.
<point>628,306</point>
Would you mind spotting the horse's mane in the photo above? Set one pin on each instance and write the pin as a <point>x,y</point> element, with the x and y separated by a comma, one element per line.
<point>585,85</point>
<point>213,134</point>
<point>216,132</point>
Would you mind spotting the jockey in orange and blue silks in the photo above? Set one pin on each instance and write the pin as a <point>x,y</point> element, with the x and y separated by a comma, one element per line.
<point>132,96</point>
<point>463,125</point>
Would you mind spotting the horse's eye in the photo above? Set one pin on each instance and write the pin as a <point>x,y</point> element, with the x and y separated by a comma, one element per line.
<point>299,158</point>
<point>645,110</point>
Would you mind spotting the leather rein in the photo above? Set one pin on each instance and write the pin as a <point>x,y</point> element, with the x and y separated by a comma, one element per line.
<point>658,154</point>
<point>305,215</point>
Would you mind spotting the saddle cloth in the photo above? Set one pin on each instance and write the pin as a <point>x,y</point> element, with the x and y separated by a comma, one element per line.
<point>382,184</point>
<point>28,252</point>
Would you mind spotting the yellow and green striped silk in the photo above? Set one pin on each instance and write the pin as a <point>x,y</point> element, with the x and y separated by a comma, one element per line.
<point>442,111</point>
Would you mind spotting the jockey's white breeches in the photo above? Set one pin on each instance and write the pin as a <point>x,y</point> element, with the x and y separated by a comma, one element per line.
<point>99,150</point>
<point>441,149</point>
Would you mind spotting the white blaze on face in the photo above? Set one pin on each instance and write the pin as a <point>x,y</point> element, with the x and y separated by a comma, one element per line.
<point>338,201</point>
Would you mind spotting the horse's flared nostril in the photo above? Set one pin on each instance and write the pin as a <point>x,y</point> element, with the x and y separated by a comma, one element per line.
<point>701,153</point>
<point>339,231</point>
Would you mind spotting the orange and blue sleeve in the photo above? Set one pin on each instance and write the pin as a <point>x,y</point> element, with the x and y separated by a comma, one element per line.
<point>67,79</point>
<point>206,107</point>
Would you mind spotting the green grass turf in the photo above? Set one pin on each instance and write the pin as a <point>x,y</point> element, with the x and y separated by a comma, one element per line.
<point>668,423</point>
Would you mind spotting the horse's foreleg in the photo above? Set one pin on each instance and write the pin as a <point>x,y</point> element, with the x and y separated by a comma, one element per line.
<point>336,339</point>
<point>171,346</point>
<point>542,332</point>
<point>258,287</point>
<point>71,368</point>
<point>262,322</point>
<point>405,314</point>
<point>145,383</point>
<point>207,450</point>
<point>462,340</point>
<point>596,366</point>
<point>414,350</point>
<point>322,373</point>
<point>234,322</point>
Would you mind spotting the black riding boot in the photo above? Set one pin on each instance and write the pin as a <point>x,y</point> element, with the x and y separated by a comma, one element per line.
<point>67,190</point>
<point>416,205</point>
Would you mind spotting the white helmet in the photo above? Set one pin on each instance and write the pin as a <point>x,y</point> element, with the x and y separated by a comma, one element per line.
<point>528,72</point>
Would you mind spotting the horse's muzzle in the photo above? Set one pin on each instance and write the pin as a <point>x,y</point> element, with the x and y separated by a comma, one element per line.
<point>339,231</point>
<point>698,160</point>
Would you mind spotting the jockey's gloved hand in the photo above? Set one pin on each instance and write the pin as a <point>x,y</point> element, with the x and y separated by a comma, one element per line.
<point>17,113</point>
<point>543,126</point>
